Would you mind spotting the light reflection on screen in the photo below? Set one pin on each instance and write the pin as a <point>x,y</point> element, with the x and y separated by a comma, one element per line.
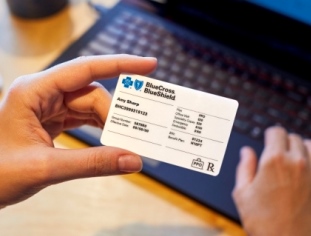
<point>297,9</point>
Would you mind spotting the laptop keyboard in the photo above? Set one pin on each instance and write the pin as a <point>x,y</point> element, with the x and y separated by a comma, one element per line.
<point>266,96</point>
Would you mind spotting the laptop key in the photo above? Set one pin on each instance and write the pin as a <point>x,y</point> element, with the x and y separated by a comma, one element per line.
<point>257,132</point>
<point>241,125</point>
<point>278,115</point>
<point>261,120</point>
<point>294,96</point>
<point>244,112</point>
<point>305,115</point>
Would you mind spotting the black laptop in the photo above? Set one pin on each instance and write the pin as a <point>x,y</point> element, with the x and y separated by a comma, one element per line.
<point>257,52</point>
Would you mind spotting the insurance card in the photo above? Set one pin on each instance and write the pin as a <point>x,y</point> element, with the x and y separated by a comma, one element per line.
<point>170,123</point>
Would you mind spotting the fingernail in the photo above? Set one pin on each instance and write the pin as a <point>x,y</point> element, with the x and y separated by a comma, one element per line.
<point>151,58</point>
<point>244,150</point>
<point>130,163</point>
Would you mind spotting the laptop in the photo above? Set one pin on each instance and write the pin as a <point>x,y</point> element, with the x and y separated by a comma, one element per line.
<point>257,52</point>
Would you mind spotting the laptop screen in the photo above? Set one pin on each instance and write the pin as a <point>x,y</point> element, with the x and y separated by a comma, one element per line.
<point>297,9</point>
<point>273,31</point>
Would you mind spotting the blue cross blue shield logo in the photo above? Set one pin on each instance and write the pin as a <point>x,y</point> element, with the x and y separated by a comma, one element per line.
<point>127,82</point>
<point>138,84</point>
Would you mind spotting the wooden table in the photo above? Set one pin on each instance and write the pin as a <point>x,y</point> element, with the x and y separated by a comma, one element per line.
<point>117,205</point>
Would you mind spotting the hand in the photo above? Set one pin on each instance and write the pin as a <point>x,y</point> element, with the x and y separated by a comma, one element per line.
<point>273,196</point>
<point>38,107</point>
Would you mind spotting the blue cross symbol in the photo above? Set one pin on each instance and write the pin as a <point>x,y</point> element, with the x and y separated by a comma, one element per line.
<point>127,82</point>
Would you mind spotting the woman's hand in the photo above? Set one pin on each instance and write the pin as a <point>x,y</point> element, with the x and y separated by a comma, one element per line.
<point>40,106</point>
<point>273,195</point>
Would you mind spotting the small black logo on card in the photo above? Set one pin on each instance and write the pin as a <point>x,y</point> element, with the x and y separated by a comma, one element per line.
<point>197,163</point>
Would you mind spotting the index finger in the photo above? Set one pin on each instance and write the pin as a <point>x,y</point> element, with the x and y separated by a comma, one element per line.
<point>276,141</point>
<point>78,73</point>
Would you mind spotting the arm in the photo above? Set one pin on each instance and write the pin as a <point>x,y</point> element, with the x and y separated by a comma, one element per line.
<point>38,107</point>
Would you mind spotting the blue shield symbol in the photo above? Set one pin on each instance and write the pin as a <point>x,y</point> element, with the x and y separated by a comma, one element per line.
<point>138,84</point>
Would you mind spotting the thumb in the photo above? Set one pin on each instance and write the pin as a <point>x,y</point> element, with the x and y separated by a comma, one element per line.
<point>65,164</point>
<point>246,168</point>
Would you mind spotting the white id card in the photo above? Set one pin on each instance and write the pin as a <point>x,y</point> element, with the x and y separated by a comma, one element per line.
<point>170,123</point>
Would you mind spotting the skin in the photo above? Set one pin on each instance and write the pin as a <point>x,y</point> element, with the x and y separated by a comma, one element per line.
<point>273,194</point>
<point>40,106</point>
